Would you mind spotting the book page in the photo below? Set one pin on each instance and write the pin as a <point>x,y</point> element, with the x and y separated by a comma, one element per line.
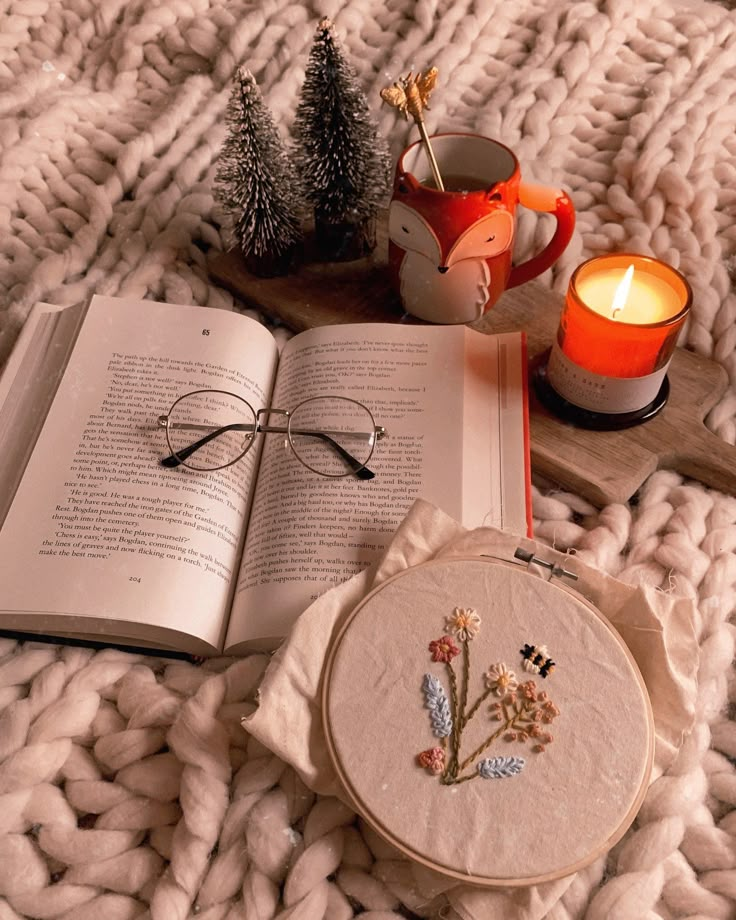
<point>28,386</point>
<point>100,538</point>
<point>435,390</point>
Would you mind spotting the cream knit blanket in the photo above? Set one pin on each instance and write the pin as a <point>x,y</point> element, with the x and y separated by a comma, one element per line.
<point>127,787</point>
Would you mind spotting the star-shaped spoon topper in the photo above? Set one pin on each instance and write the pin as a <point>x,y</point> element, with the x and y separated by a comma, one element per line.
<point>410,95</point>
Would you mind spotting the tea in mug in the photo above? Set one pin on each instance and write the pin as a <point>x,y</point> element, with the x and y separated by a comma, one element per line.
<point>456,182</point>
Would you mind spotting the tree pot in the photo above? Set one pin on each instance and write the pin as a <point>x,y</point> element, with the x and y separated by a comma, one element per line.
<point>344,241</point>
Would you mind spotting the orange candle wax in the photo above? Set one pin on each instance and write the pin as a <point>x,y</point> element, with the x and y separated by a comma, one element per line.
<point>622,315</point>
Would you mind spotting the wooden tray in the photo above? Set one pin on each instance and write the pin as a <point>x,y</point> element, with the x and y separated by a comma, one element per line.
<point>602,466</point>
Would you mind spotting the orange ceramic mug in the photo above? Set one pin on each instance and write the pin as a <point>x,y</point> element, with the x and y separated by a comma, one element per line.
<point>450,251</point>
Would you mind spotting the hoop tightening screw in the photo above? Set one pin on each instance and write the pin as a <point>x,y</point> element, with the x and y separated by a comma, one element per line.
<point>555,571</point>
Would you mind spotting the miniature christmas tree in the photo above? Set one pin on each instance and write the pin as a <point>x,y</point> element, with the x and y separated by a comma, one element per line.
<point>343,161</point>
<point>255,183</point>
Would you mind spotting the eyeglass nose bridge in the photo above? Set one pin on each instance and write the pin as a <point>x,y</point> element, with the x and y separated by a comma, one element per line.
<point>267,411</point>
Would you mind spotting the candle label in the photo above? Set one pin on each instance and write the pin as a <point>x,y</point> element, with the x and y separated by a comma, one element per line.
<point>598,393</point>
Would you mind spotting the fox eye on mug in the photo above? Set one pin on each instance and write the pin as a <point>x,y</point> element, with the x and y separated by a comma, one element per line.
<point>405,229</point>
<point>491,238</point>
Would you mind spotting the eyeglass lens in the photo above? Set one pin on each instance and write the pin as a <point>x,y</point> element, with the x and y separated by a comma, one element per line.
<point>325,429</point>
<point>198,415</point>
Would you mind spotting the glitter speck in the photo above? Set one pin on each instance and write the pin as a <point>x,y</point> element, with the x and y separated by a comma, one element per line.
<point>61,76</point>
<point>47,66</point>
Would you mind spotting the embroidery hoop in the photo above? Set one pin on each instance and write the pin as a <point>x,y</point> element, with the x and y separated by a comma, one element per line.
<point>376,763</point>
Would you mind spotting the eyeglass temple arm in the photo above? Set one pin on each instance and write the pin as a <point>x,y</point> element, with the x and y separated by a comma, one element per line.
<point>174,460</point>
<point>185,453</point>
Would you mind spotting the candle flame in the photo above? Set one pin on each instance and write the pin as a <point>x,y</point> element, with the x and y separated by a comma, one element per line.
<point>622,292</point>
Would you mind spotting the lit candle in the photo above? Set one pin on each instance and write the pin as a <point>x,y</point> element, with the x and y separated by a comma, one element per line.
<point>629,296</point>
<point>618,329</point>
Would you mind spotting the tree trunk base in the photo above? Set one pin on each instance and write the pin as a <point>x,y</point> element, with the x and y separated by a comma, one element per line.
<point>270,265</point>
<point>344,241</point>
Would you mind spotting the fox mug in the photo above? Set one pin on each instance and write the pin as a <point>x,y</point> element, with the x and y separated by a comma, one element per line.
<point>450,251</point>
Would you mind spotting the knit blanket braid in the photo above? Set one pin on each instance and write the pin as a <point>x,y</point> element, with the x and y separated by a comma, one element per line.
<point>127,786</point>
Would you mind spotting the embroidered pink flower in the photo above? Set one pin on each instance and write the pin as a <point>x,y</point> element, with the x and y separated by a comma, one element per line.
<point>464,623</point>
<point>443,649</point>
<point>500,679</point>
<point>528,690</point>
<point>433,759</point>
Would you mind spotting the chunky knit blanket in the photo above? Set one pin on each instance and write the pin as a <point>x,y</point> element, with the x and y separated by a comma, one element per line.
<point>127,786</point>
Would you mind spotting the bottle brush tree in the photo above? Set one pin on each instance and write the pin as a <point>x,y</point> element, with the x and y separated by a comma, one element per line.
<point>256,185</point>
<point>343,162</point>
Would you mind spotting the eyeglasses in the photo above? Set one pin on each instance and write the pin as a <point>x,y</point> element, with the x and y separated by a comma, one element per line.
<point>331,435</point>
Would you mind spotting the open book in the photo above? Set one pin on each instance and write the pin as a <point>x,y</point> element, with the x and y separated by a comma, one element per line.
<point>100,541</point>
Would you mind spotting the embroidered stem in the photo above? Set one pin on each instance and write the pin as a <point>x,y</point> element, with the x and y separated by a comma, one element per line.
<point>508,725</point>
<point>477,704</point>
<point>461,720</point>
<point>461,779</point>
<point>451,769</point>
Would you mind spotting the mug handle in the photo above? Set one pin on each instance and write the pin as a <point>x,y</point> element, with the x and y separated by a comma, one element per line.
<point>551,201</point>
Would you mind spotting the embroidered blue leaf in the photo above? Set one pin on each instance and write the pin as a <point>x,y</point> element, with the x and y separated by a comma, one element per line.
<point>435,699</point>
<point>500,767</point>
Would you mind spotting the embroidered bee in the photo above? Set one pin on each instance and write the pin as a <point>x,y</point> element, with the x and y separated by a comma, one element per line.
<point>411,94</point>
<point>536,659</point>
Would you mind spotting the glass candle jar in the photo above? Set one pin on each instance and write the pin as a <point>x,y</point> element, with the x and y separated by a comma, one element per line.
<point>619,325</point>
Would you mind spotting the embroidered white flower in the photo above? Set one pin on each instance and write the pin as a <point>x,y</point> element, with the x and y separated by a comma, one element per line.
<point>464,623</point>
<point>500,679</point>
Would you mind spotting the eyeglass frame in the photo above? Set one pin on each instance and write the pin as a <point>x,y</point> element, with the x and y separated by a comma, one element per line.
<point>358,469</point>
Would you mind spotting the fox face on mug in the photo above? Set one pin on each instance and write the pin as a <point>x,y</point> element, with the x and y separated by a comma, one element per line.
<point>450,251</point>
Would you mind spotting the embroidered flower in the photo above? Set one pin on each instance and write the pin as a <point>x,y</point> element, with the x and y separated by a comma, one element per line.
<point>528,690</point>
<point>443,649</point>
<point>520,709</point>
<point>500,679</point>
<point>432,759</point>
<point>464,623</point>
